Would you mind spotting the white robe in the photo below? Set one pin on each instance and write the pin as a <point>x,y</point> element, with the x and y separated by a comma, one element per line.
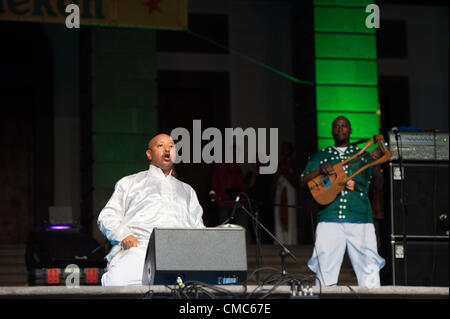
<point>141,202</point>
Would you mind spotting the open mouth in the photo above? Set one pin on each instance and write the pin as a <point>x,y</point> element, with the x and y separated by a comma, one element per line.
<point>166,157</point>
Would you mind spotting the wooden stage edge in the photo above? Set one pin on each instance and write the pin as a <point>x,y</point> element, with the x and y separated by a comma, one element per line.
<point>143,292</point>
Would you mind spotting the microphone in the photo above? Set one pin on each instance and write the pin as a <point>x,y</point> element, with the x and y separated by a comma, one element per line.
<point>443,220</point>
<point>395,131</point>
<point>236,204</point>
<point>212,196</point>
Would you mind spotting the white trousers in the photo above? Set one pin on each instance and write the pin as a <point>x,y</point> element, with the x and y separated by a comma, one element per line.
<point>126,268</point>
<point>332,239</point>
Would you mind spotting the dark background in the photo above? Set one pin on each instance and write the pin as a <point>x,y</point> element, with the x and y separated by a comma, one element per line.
<point>31,105</point>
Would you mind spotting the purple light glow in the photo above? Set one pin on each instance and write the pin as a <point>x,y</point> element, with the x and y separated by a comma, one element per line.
<point>60,227</point>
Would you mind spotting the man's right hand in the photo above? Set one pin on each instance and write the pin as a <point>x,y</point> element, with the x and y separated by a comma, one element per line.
<point>129,241</point>
<point>327,169</point>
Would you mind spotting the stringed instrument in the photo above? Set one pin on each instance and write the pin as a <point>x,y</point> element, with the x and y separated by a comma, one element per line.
<point>325,188</point>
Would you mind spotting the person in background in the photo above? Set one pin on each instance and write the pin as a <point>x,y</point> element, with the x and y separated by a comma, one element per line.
<point>285,197</point>
<point>261,190</point>
<point>228,182</point>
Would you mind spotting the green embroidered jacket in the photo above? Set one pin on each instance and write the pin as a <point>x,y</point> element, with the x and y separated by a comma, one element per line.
<point>349,206</point>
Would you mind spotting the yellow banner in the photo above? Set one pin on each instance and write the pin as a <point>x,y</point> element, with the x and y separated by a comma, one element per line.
<point>158,14</point>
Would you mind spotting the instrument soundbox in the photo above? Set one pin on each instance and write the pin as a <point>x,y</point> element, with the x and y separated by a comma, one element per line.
<point>325,188</point>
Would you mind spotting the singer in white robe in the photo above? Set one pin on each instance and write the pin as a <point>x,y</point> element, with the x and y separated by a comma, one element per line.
<point>141,202</point>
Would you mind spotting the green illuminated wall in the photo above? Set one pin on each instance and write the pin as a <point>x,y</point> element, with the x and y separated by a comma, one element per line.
<point>346,68</point>
<point>124,114</point>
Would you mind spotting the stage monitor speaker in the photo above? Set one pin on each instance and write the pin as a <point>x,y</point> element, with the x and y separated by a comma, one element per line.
<point>427,263</point>
<point>49,252</point>
<point>60,248</point>
<point>425,187</point>
<point>213,256</point>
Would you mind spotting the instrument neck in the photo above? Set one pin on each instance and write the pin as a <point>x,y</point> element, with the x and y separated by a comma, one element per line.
<point>342,144</point>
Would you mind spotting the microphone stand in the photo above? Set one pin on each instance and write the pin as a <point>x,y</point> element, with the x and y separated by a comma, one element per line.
<point>258,244</point>
<point>284,250</point>
<point>434,204</point>
<point>257,238</point>
<point>404,211</point>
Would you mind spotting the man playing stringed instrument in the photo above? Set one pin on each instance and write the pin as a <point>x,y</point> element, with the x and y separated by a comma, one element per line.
<point>346,222</point>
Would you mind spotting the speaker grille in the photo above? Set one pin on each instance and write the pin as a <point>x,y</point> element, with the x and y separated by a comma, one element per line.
<point>427,263</point>
<point>209,255</point>
<point>425,187</point>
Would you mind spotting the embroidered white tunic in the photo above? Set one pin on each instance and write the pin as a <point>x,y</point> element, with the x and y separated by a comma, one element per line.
<point>143,201</point>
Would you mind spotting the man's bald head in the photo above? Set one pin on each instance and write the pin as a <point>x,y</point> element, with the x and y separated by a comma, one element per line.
<point>157,138</point>
<point>161,152</point>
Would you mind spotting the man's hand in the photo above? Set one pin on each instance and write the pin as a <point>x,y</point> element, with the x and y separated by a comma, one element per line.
<point>327,169</point>
<point>129,241</point>
<point>376,153</point>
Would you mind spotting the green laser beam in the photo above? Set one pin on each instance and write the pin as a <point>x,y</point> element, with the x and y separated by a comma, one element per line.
<point>252,60</point>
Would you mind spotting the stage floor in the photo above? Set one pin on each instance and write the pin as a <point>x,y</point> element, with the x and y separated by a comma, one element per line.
<point>229,291</point>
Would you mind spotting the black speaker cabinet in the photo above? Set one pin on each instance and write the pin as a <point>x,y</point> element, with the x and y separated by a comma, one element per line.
<point>426,260</point>
<point>425,188</point>
<point>210,255</point>
<point>59,248</point>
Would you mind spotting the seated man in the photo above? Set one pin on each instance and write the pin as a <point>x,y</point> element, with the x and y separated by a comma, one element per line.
<point>141,202</point>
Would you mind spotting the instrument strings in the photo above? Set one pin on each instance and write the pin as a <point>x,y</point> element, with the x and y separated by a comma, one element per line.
<point>350,165</point>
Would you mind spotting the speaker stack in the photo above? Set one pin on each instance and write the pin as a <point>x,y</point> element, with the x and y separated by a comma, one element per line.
<point>419,233</point>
